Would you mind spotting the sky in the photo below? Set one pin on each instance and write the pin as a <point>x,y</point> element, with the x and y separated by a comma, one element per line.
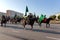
<point>45,7</point>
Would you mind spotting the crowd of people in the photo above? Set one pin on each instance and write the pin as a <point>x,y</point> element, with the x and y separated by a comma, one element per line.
<point>29,19</point>
<point>33,18</point>
<point>42,17</point>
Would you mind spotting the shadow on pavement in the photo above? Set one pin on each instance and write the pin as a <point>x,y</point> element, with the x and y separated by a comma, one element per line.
<point>14,27</point>
<point>35,30</point>
<point>46,31</point>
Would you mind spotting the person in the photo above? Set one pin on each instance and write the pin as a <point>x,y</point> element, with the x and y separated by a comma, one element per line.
<point>3,20</point>
<point>37,19</point>
<point>3,17</point>
<point>24,20</point>
<point>44,18</point>
<point>7,18</point>
<point>30,18</point>
<point>34,15</point>
<point>30,15</point>
<point>15,17</point>
<point>41,18</point>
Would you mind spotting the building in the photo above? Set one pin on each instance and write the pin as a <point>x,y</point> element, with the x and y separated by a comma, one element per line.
<point>12,13</point>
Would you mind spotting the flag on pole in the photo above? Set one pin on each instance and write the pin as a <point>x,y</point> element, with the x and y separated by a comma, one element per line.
<point>26,10</point>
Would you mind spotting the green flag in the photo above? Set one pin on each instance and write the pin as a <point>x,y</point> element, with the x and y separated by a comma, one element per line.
<point>26,8</point>
<point>26,11</point>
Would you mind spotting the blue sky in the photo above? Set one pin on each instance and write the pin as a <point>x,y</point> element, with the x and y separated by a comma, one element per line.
<point>48,7</point>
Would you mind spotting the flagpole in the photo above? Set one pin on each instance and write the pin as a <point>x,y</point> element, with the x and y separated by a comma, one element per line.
<point>25,13</point>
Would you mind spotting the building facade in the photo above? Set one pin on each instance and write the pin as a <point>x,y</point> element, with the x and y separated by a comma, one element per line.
<point>12,13</point>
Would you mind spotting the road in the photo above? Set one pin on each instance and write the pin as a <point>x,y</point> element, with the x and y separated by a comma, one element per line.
<point>17,32</point>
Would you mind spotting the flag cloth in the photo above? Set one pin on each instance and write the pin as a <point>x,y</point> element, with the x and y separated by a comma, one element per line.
<point>26,10</point>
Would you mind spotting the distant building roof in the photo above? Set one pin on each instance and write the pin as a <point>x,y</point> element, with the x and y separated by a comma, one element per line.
<point>12,13</point>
